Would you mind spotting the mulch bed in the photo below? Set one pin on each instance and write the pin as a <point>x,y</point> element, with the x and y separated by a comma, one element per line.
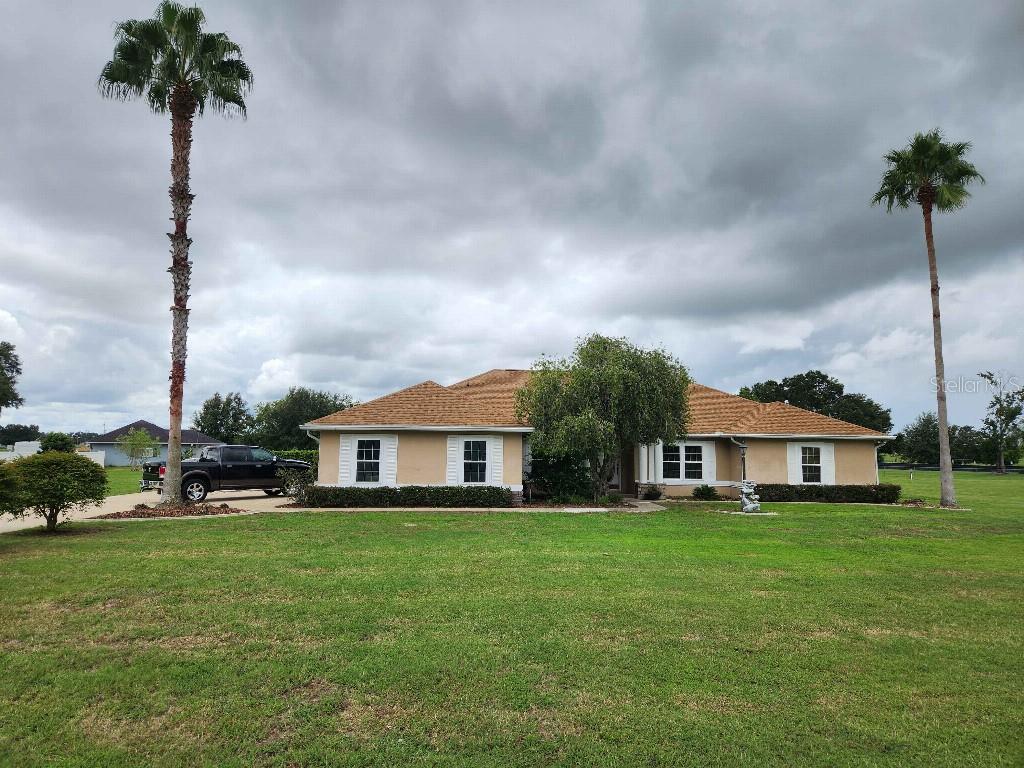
<point>185,510</point>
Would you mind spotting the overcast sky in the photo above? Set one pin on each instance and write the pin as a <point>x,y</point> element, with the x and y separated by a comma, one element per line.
<point>429,190</point>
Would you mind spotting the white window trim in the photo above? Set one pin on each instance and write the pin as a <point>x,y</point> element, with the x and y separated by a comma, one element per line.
<point>709,469</point>
<point>794,460</point>
<point>348,458</point>
<point>495,462</point>
<point>488,457</point>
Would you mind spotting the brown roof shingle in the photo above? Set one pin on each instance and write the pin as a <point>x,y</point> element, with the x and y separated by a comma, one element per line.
<point>488,400</point>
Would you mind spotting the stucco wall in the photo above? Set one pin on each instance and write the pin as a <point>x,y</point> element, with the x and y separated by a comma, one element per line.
<point>856,463</point>
<point>766,461</point>
<point>512,473</point>
<point>327,469</point>
<point>422,458</point>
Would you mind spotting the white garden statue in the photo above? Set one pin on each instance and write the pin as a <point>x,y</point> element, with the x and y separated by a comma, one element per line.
<point>749,501</point>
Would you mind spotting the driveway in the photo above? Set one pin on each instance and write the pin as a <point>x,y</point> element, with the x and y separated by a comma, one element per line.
<point>253,501</point>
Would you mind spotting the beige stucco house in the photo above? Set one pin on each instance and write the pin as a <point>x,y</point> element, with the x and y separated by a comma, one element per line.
<point>468,433</point>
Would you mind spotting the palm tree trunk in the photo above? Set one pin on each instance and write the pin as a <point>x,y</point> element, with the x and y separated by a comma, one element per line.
<point>183,109</point>
<point>947,492</point>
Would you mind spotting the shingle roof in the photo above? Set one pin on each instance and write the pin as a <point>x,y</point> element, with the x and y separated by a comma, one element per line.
<point>713,411</point>
<point>488,400</point>
<point>188,436</point>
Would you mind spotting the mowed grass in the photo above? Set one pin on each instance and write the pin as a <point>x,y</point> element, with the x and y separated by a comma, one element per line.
<point>122,480</point>
<point>824,636</point>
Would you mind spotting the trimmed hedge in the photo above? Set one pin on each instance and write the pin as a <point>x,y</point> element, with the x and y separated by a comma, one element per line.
<point>311,455</point>
<point>408,496</point>
<point>885,493</point>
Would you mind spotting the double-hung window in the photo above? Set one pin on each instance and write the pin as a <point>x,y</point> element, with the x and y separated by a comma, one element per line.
<point>810,463</point>
<point>693,462</point>
<point>368,461</point>
<point>474,461</point>
<point>670,462</point>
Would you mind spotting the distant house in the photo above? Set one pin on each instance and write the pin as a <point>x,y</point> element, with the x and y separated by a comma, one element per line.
<point>191,439</point>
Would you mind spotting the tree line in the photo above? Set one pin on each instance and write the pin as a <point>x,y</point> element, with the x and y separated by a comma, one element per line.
<point>273,425</point>
<point>999,440</point>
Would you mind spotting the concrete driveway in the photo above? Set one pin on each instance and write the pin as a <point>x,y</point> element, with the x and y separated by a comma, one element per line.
<point>253,501</point>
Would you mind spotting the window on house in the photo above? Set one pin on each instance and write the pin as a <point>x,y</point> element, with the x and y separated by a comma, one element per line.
<point>693,462</point>
<point>368,461</point>
<point>670,462</point>
<point>810,464</point>
<point>474,461</point>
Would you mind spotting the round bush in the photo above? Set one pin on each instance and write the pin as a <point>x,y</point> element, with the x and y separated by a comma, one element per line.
<point>705,493</point>
<point>52,484</point>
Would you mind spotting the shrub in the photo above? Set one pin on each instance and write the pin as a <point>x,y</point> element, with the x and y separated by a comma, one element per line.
<point>705,493</point>
<point>54,483</point>
<point>650,492</point>
<point>9,487</point>
<point>560,479</point>
<point>312,455</point>
<point>885,493</point>
<point>297,483</point>
<point>57,441</point>
<point>408,496</point>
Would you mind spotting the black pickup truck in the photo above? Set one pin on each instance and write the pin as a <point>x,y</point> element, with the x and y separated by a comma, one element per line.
<point>225,467</point>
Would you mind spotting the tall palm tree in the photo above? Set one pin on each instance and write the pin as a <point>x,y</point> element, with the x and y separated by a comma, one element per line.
<point>181,69</point>
<point>934,174</point>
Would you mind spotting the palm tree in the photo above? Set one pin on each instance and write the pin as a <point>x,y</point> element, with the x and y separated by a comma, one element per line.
<point>934,174</point>
<point>180,69</point>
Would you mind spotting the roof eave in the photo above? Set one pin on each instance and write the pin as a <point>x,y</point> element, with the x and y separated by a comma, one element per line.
<point>791,435</point>
<point>313,427</point>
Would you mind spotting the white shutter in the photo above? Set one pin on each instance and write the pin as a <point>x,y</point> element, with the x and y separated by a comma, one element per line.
<point>345,460</point>
<point>710,463</point>
<point>828,464</point>
<point>793,461</point>
<point>389,458</point>
<point>452,469</point>
<point>659,466</point>
<point>496,460</point>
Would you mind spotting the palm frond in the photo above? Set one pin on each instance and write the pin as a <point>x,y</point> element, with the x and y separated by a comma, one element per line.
<point>153,56</point>
<point>928,170</point>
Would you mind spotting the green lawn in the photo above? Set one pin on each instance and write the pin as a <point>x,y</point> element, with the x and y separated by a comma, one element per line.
<point>827,635</point>
<point>122,480</point>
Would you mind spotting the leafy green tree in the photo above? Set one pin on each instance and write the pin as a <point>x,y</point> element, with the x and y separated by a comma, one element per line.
<point>817,391</point>
<point>769,391</point>
<point>226,418</point>
<point>856,408</point>
<point>607,397</point>
<point>137,444</point>
<point>16,433</point>
<point>181,69</point>
<point>1004,419</point>
<point>57,441</point>
<point>10,488</point>
<point>919,441</point>
<point>934,174</point>
<point>966,444</point>
<point>276,424</point>
<point>10,370</point>
<point>53,484</point>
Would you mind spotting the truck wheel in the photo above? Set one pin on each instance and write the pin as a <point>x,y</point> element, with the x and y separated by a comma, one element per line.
<point>194,490</point>
<point>273,491</point>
